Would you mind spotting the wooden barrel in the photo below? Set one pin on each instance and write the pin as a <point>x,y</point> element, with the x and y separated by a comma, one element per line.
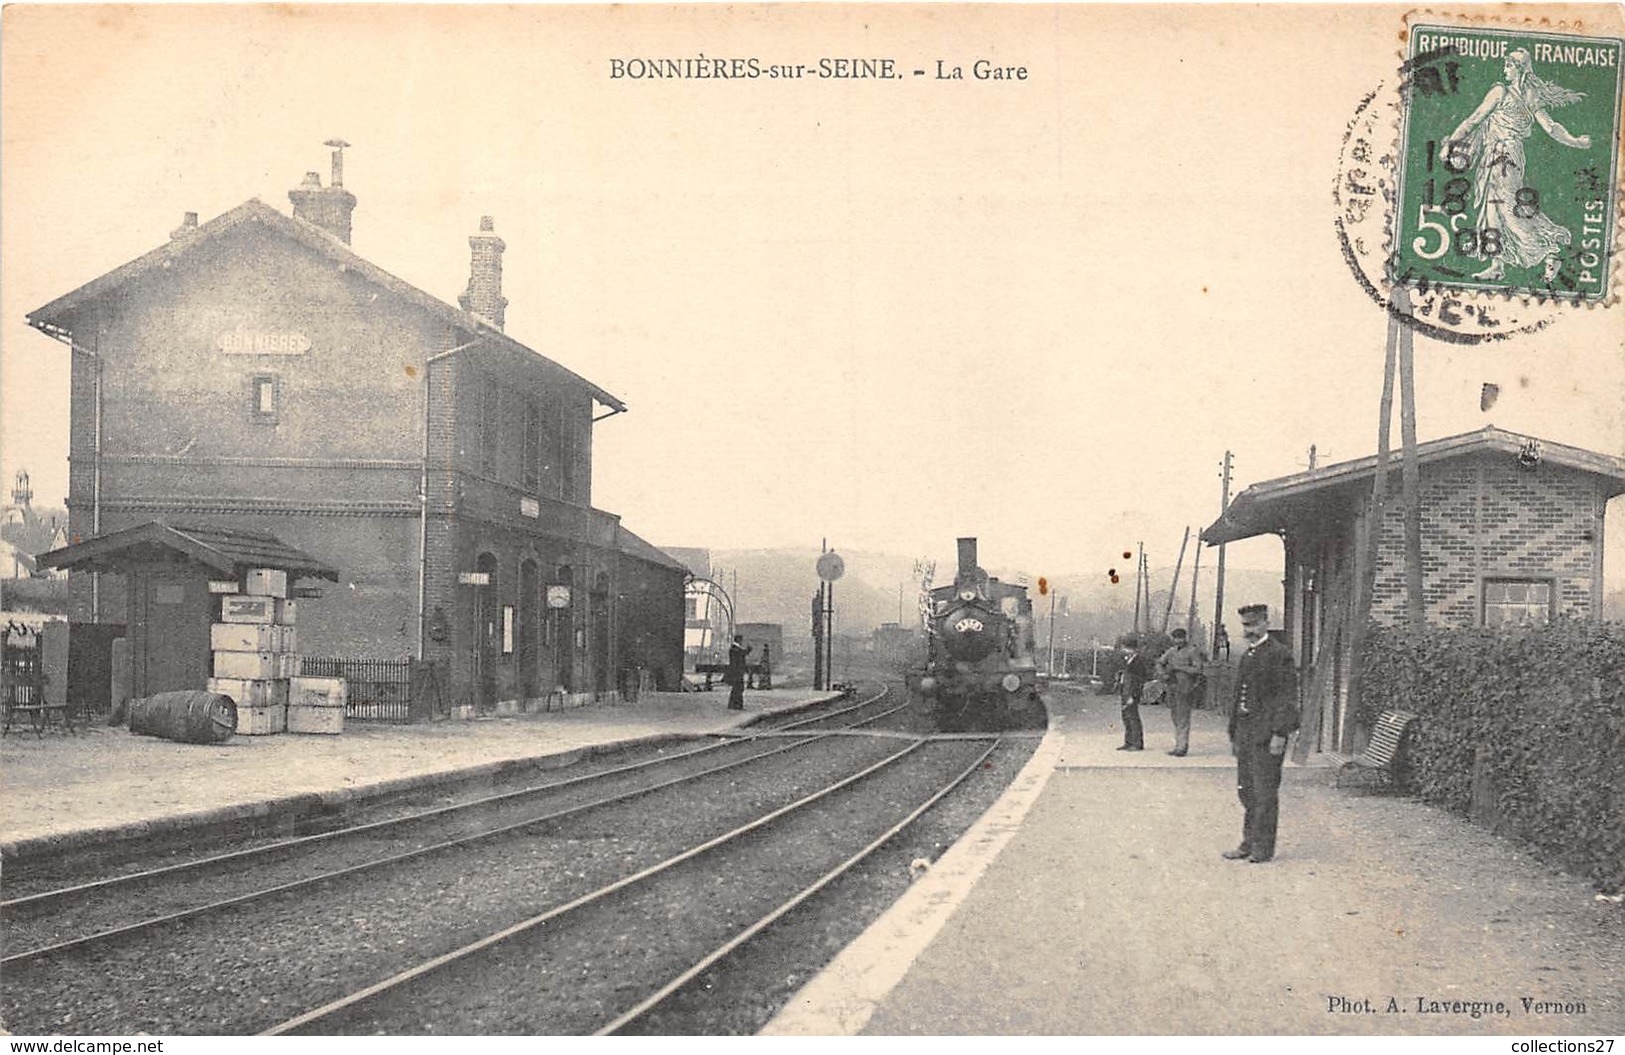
<point>192,717</point>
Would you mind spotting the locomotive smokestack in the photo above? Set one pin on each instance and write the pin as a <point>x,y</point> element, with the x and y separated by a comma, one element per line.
<point>967,556</point>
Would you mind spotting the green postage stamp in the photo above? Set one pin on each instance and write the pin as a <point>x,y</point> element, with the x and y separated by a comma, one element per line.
<point>1509,149</point>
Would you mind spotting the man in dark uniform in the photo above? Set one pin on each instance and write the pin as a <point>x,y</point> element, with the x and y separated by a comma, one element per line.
<point>1131,685</point>
<point>1263,714</point>
<point>736,673</point>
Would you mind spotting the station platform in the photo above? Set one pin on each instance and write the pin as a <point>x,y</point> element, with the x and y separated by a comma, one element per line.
<point>1092,900</point>
<point>66,792</point>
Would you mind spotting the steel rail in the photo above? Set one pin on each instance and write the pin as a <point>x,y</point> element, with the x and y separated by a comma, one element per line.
<point>733,944</point>
<point>259,853</point>
<point>114,933</point>
<point>507,933</point>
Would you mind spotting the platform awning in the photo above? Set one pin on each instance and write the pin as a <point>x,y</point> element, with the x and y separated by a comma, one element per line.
<point>230,551</point>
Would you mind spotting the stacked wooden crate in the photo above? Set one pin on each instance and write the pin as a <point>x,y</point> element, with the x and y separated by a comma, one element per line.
<point>256,650</point>
<point>316,705</point>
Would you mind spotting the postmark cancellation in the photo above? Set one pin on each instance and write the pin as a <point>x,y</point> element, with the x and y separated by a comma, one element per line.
<point>1507,161</point>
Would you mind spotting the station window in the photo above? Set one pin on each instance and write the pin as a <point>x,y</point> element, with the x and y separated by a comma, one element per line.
<point>264,397</point>
<point>1518,602</point>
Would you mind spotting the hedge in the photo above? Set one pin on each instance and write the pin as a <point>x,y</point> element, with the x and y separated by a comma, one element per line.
<point>1522,728</point>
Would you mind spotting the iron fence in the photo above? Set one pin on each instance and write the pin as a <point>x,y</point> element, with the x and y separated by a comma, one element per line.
<point>23,677</point>
<point>378,690</point>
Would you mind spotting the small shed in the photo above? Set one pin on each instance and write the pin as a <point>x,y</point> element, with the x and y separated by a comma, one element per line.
<point>168,571</point>
<point>1512,533</point>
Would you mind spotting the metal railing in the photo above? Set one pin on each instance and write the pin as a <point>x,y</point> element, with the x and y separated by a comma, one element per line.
<point>378,690</point>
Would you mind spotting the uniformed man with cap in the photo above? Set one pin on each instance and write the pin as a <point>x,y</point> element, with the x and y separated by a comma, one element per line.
<point>1263,714</point>
<point>1180,667</point>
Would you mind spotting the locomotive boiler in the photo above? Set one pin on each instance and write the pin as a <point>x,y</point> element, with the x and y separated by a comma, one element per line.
<point>979,668</point>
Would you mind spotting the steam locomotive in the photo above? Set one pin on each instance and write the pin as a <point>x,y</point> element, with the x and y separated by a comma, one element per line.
<point>979,668</point>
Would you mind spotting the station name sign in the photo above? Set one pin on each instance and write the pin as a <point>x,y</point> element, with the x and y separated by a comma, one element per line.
<point>243,341</point>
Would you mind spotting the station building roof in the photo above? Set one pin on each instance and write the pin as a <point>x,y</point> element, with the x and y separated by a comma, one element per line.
<point>56,317</point>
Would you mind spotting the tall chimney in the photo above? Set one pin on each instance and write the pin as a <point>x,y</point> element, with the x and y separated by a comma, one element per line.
<point>483,297</point>
<point>338,146</point>
<point>967,556</point>
<point>327,207</point>
<point>188,226</point>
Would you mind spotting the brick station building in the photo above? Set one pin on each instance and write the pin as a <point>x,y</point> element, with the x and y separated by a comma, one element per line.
<point>255,373</point>
<point>1512,533</point>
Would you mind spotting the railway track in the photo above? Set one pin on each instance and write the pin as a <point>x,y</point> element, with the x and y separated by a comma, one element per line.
<point>307,861</point>
<point>426,997</point>
<point>297,943</point>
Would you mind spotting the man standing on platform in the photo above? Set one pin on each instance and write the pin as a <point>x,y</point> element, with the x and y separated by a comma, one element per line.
<point>1130,687</point>
<point>1264,713</point>
<point>1181,668</point>
<point>736,673</point>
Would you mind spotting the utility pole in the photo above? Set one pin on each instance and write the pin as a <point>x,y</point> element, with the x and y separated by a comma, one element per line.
<point>1371,537</point>
<point>1196,573</point>
<point>1173,586</point>
<point>1139,578</point>
<point>1415,613</point>
<point>818,638</point>
<point>1050,649</point>
<point>1218,597</point>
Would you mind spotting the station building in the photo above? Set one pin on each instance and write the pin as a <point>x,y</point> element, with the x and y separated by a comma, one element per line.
<point>255,374</point>
<point>1512,534</point>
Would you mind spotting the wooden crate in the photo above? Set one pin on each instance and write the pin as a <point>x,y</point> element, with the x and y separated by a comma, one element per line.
<point>245,637</point>
<point>266,582</point>
<point>318,692</point>
<point>327,720</point>
<point>246,692</point>
<point>261,721</point>
<point>256,666</point>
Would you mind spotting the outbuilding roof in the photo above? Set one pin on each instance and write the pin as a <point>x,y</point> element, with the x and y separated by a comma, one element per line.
<point>635,546</point>
<point>53,318</point>
<point>1271,505</point>
<point>230,551</point>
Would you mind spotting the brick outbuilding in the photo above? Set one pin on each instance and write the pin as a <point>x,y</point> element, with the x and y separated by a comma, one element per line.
<point>256,373</point>
<point>1512,533</point>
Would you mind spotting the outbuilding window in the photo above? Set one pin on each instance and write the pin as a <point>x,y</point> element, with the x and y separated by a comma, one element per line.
<point>1518,602</point>
<point>264,397</point>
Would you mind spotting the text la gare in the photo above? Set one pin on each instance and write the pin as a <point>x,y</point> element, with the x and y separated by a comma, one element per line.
<point>981,70</point>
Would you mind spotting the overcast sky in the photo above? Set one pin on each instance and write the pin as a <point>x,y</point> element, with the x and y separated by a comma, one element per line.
<point>885,312</point>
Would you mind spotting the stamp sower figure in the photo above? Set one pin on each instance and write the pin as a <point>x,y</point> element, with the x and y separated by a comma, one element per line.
<point>1492,138</point>
<point>1130,686</point>
<point>736,673</point>
<point>1263,714</point>
<point>1180,668</point>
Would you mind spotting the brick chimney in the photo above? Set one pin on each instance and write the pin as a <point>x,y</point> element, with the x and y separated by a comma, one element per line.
<point>188,226</point>
<point>327,207</point>
<point>483,297</point>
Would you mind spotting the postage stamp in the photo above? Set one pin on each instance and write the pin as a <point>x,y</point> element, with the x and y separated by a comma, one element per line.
<point>1508,157</point>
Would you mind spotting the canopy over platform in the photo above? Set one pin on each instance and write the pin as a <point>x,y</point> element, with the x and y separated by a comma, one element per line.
<point>230,551</point>
<point>1337,490</point>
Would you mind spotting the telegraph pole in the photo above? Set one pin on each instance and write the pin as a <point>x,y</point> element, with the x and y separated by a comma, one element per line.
<point>1050,649</point>
<point>1371,537</point>
<point>1173,585</point>
<point>1196,574</point>
<point>1218,597</point>
<point>1139,573</point>
<point>1415,613</point>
